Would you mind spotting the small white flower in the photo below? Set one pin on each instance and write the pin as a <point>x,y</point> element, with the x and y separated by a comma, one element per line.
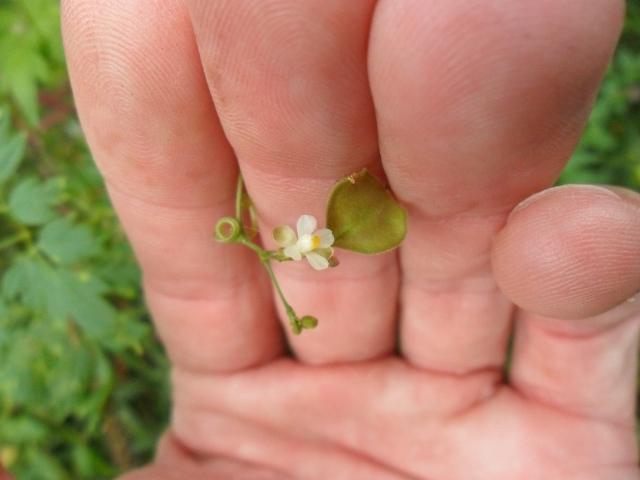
<point>313,244</point>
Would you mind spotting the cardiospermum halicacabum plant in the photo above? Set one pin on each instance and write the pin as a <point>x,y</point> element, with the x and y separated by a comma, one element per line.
<point>361,216</point>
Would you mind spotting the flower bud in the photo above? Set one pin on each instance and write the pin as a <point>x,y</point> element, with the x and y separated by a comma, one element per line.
<point>308,322</point>
<point>296,328</point>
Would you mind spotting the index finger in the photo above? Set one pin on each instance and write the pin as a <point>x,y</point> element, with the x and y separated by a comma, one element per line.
<point>171,174</point>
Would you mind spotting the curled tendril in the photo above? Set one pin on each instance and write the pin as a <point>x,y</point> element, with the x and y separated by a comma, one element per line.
<point>228,230</point>
<point>234,230</point>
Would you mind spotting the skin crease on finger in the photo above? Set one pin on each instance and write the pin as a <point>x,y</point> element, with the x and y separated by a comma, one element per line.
<point>385,418</point>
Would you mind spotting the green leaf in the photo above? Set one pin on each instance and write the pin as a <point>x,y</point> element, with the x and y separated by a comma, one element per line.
<point>11,154</point>
<point>363,216</point>
<point>61,294</point>
<point>88,463</point>
<point>44,16</point>
<point>17,372</point>
<point>71,295</point>
<point>101,385</point>
<point>12,146</point>
<point>120,272</point>
<point>5,122</point>
<point>68,378</point>
<point>24,280</point>
<point>24,67</point>
<point>66,243</point>
<point>43,465</point>
<point>31,201</point>
<point>22,429</point>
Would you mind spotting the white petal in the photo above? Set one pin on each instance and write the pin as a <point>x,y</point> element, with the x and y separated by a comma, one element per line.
<point>292,252</point>
<point>326,237</point>
<point>284,236</point>
<point>317,261</point>
<point>326,252</point>
<point>306,225</point>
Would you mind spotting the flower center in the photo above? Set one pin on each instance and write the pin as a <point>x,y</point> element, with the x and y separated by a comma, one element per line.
<point>308,242</point>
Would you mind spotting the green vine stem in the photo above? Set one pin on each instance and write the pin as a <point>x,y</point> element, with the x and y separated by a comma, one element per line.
<point>232,230</point>
<point>295,322</point>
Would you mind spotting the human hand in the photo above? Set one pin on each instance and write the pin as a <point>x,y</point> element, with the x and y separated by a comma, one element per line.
<point>466,111</point>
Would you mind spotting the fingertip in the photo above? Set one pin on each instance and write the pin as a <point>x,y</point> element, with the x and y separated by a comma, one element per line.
<point>571,251</point>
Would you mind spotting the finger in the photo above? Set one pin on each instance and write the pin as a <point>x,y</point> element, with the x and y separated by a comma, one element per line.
<point>153,130</point>
<point>477,109</point>
<point>573,253</point>
<point>559,241</point>
<point>289,82</point>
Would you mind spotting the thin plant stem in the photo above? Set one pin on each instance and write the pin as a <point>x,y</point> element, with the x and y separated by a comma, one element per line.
<point>248,243</point>
<point>290,313</point>
<point>239,192</point>
<point>265,255</point>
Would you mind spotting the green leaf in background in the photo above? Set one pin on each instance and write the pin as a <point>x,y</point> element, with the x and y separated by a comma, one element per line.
<point>71,295</point>
<point>363,215</point>
<point>11,154</point>
<point>23,429</point>
<point>66,243</point>
<point>23,281</point>
<point>44,466</point>
<point>24,65</point>
<point>31,201</point>
<point>70,377</point>
<point>609,149</point>
<point>74,337</point>
<point>87,462</point>
<point>24,68</point>
<point>61,294</point>
<point>5,122</point>
<point>44,18</point>
<point>12,147</point>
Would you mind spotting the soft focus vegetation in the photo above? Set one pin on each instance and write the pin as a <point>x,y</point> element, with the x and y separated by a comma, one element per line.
<point>83,388</point>
<point>609,150</point>
<point>83,384</point>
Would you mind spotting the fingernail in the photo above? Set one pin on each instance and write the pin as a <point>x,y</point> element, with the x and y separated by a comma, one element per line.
<point>549,191</point>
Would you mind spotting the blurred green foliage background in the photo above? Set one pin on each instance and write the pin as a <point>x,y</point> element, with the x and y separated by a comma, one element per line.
<point>609,150</point>
<point>83,380</point>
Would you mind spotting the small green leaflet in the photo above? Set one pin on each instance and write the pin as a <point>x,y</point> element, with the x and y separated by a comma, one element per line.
<point>62,294</point>
<point>66,243</point>
<point>31,201</point>
<point>12,147</point>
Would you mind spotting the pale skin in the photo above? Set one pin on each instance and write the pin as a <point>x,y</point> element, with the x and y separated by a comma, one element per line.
<point>465,109</point>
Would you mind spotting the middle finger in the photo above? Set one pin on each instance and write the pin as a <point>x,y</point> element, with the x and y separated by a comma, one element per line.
<point>289,81</point>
